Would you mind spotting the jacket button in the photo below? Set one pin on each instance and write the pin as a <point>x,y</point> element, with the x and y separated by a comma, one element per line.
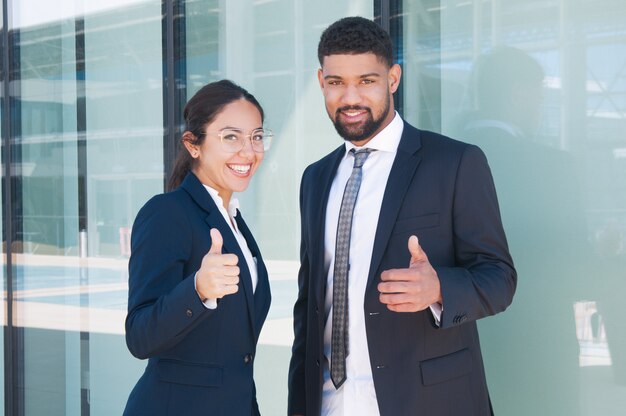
<point>247,358</point>
<point>189,313</point>
<point>317,363</point>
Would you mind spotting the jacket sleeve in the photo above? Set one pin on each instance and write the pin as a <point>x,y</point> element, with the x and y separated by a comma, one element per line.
<point>163,305</point>
<point>297,387</point>
<point>484,279</point>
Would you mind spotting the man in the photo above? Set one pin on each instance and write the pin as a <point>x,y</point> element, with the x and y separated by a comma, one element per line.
<point>404,338</point>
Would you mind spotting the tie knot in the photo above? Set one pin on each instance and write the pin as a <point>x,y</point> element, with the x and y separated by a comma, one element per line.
<point>360,156</point>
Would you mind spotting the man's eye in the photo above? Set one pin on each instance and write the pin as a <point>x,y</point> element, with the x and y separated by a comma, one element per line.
<point>334,82</point>
<point>367,81</point>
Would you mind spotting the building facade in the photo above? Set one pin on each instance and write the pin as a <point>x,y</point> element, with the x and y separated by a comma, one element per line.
<point>92,95</point>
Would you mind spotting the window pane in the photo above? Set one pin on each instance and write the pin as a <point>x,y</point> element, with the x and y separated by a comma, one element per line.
<point>270,48</point>
<point>90,152</point>
<point>540,86</point>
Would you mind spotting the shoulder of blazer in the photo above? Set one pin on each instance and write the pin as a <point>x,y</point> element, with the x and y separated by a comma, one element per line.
<point>439,141</point>
<point>193,188</point>
<point>329,161</point>
<point>437,144</point>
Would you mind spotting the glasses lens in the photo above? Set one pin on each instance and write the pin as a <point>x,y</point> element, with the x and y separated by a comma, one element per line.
<point>260,139</point>
<point>232,140</point>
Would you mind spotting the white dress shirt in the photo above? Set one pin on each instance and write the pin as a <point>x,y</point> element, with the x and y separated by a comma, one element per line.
<point>229,217</point>
<point>357,395</point>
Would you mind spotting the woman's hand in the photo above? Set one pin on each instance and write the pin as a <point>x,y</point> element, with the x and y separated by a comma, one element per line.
<point>219,274</point>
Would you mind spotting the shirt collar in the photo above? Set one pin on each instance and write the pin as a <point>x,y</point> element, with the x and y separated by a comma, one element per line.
<point>387,140</point>
<point>233,206</point>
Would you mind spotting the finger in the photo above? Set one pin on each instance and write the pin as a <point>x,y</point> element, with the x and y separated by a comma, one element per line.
<point>404,307</point>
<point>220,271</point>
<point>229,280</point>
<point>230,289</point>
<point>403,275</point>
<point>229,259</point>
<point>393,287</point>
<point>417,254</point>
<point>216,241</point>
<point>395,298</point>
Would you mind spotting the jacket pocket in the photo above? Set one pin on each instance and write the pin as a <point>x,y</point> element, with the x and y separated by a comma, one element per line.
<point>193,374</point>
<point>447,367</point>
<point>407,225</point>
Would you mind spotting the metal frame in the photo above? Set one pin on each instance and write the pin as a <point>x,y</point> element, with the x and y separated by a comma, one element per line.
<point>10,374</point>
<point>174,81</point>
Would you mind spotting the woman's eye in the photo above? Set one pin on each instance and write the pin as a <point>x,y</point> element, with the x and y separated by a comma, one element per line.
<point>230,137</point>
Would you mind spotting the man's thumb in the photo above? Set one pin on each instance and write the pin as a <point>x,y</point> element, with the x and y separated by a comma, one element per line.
<point>417,254</point>
<point>216,241</point>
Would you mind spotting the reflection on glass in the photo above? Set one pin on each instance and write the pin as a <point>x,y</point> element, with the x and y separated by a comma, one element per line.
<point>543,215</point>
<point>90,152</point>
<point>541,89</point>
<point>270,48</point>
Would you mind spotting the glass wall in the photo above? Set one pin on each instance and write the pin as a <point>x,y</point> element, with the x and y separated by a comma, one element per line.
<point>541,87</point>
<point>270,48</point>
<point>88,144</point>
<point>88,148</point>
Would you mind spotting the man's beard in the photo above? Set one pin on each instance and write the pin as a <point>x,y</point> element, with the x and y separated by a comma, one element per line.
<point>363,131</point>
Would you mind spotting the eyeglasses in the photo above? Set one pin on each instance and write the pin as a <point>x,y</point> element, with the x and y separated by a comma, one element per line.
<point>233,140</point>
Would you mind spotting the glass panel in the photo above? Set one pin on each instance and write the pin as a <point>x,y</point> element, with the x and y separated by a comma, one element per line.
<point>541,87</point>
<point>90,152</point>
<point>270,48</point>
<point>3,153</point>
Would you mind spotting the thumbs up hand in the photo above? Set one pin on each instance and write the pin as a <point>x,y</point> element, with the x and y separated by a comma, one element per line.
<point>412,289</point>
<point>219,274</point>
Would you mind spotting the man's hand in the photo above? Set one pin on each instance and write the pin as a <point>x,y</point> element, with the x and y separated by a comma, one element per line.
<point>412,289</point>
<point>219,274</point>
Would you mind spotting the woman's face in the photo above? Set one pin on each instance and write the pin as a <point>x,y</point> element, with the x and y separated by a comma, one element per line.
<point>225,171</point>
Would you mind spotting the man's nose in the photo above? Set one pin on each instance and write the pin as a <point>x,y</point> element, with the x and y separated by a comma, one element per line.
<point>351,95</point>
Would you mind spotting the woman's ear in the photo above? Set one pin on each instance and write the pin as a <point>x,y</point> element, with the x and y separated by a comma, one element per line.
<point>188,139</point>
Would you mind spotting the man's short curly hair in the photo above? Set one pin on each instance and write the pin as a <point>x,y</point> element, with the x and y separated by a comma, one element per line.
<point>355,35</point>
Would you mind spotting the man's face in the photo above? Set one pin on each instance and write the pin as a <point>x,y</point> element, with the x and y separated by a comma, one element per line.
<point>358,92</point>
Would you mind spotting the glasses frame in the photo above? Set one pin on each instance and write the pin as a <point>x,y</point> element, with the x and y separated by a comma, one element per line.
<point>268,135</point>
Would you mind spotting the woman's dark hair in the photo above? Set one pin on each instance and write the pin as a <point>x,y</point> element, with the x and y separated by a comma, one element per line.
<point>355,35</point>
<point>201,110</point>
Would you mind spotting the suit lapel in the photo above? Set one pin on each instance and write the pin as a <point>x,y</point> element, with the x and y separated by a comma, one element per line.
<point>215,219</point>
<point>402,172</point>
<point>322,185</point>
<point>262,295</point>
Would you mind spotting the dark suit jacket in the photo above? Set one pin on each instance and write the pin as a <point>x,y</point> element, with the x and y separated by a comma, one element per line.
<point>440,190</point>
<point>200,360</point>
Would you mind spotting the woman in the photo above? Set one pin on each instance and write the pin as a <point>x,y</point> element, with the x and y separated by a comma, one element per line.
<point>198,289</point>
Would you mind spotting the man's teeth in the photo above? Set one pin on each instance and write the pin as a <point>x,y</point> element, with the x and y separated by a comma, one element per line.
<point>352,113</point>
<point>240,168</point>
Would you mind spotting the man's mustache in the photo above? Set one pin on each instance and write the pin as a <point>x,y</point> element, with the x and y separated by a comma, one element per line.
<point>352,107</point>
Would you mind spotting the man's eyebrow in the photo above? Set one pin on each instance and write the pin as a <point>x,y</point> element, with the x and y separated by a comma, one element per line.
<point>368,75</point>
<point>371,74</point>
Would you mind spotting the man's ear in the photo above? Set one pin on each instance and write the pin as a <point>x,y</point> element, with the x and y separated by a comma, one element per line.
<point>188,139</point>
<point>320,78</point>
<point>395,73</point>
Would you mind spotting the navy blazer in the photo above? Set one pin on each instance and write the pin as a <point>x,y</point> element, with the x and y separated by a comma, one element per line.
<point>440,190</point>
<point>200,360</point>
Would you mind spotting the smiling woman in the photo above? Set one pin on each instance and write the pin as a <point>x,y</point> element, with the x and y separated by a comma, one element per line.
<point>190,250</point>
<point>227,160</point>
